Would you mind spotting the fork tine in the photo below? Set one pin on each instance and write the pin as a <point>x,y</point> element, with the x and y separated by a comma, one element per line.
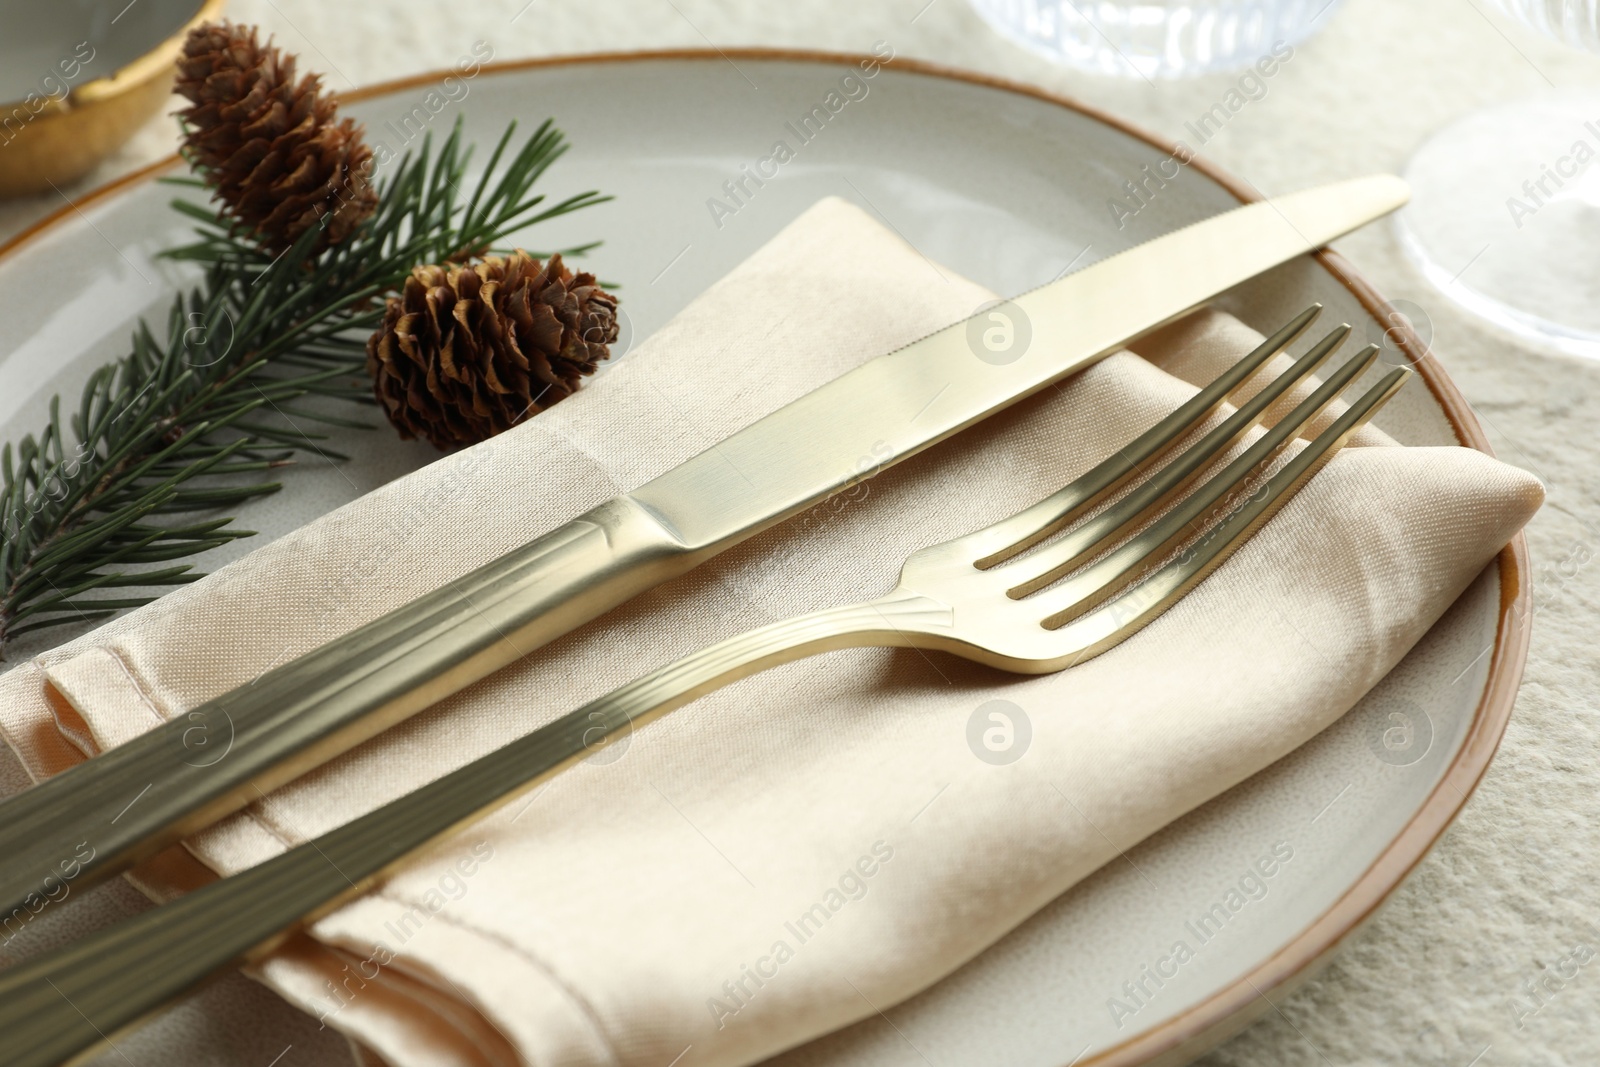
<point>1125,615</point>
<point>1026,528</point>
<point>1106,576</point>
<point>1045,566</point>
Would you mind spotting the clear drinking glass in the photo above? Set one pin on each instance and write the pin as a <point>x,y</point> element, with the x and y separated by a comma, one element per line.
<point>1155,38</point>
<point>1505,211</point>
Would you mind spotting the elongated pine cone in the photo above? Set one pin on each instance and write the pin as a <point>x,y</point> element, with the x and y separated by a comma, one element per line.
<point>272,147</point>
<point>467,352</point>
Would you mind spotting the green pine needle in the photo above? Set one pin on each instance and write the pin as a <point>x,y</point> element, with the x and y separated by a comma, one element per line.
<point>197,416</point>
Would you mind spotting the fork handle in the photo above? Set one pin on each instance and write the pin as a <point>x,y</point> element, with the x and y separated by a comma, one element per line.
<point>62,1003</point>
<point>122,806</point>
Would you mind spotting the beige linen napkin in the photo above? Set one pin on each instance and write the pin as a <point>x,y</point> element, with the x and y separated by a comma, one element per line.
<point>821,841</point>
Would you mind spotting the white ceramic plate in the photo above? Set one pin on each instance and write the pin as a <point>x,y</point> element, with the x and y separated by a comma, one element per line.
<point>1009,187</point>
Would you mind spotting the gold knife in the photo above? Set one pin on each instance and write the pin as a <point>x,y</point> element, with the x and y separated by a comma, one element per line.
<point>124,805</point>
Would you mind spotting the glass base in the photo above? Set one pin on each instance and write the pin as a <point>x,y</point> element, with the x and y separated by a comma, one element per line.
<point>1160,38</point>
<point>1504,218</point>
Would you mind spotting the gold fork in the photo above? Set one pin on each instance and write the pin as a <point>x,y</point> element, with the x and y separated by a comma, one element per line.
<point>983,596</point>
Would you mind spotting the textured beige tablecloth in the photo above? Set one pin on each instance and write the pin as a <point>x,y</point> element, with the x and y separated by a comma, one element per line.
<point>1438,976</point>
<point>765,865</point>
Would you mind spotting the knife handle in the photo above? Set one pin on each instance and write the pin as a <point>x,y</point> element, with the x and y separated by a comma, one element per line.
<point>111,811</point>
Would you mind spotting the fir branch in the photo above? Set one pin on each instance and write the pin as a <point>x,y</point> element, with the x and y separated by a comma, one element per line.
<point>201,418</point>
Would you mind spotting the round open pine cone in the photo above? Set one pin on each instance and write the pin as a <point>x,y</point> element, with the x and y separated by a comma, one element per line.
<point>273,148</point>
<point>467,352</point>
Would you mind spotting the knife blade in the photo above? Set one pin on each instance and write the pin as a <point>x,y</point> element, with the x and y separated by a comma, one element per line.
<point>124,805</point>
